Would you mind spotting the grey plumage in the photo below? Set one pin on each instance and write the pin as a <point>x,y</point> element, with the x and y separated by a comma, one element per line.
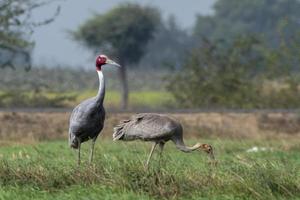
<point>157,128</point>
<point>86,122</point>
<point>147,127</point>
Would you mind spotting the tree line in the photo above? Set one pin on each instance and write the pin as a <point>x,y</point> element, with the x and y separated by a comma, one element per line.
<point>247,57</point>
<point>227,61</point>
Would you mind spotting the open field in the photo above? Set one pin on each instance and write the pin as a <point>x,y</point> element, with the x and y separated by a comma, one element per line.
<point>48,171</point>
<point>36,162</point>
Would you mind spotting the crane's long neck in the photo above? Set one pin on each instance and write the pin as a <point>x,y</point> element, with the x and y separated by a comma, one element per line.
<point>182,147</point>
<point>101,91</point>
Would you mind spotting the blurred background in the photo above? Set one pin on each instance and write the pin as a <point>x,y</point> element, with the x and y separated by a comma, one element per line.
<point>199,58</point>
<point>223,54</point>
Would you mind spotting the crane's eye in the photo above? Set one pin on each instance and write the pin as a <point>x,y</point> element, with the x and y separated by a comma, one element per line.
<point>101,60</point>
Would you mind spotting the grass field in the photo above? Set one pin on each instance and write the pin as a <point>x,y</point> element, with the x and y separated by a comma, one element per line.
<point>36,162</point>
<point>48,171</point>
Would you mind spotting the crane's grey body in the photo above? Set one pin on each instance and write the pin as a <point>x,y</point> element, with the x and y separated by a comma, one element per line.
<point>86,122</point>
<point>149,127</point>
<point>156,128</point>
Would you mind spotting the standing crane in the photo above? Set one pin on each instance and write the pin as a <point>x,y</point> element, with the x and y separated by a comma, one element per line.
<point>158,129</point>
<point>87,119</point>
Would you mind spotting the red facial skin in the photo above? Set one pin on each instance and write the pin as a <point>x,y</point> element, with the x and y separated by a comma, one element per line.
<point>100,60</point>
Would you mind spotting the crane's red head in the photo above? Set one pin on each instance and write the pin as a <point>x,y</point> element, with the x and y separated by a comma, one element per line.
<point>102,60</point>
<point>208,149</point>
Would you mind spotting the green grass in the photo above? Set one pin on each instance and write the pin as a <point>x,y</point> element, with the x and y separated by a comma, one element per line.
<point>137,99</point>
<point>48,171</point>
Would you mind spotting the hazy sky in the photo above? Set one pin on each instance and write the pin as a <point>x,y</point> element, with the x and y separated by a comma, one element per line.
<point>54,46</point>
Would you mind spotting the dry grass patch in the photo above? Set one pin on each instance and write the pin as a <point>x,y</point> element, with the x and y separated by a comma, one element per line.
<point>33,127</point>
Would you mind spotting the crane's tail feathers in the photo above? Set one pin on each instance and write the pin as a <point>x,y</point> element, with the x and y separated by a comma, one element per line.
<point>74,143</point>
<point>119,131</point>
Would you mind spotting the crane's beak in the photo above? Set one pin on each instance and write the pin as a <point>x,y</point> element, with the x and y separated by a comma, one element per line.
<point>111,62</point>
<point>211,154</point>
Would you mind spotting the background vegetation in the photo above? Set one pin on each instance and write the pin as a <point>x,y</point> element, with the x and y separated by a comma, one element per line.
<point>254,65</point>
<point>16,27</point>
<point>122,33</point>
<point>241,73</point>
<point>67,87</point>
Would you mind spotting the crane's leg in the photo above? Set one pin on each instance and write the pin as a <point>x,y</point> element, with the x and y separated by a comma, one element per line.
<point>150,155</point>
<point>92,150</point>
<point>78,159</point>
<point>161,147</point>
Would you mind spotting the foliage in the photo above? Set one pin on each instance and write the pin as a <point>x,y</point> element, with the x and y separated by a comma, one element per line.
<point>16,26</point>
<point>235,74</point>
<point>49,171</point>
<point>284,60</point>
<point>123,32</point>
<point>264,17</point>
<point>216,76</point>
<point>275,57</point>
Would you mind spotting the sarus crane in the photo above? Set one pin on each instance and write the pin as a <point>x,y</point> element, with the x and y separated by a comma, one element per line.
<point>157,128</point>
<point>87,119</point>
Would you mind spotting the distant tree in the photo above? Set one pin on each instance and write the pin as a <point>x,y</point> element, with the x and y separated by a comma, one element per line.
<point>16,26</point>
<point>285,59</point>
<point>169,46</point>
<point>123,32</point>
<point>265,17</point>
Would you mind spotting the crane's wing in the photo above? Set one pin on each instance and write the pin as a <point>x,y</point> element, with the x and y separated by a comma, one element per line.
<point>145,126</point>
<point>86,116</point>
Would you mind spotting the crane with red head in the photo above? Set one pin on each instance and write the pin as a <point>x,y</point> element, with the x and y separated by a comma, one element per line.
<point>87,119</point>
